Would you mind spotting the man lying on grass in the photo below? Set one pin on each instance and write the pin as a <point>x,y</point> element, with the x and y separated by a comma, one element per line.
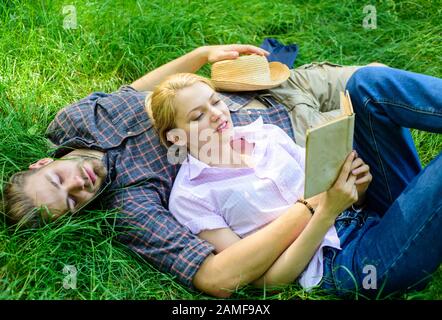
<point>107,147</point>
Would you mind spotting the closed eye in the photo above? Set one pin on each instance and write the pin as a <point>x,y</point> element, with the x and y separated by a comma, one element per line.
<point>199,117</point>
<point>70,201</point>
<point>59,179</point>
<point>56,181</point>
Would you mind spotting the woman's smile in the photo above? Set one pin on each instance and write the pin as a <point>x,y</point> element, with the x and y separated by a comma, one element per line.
<point>223,126</point>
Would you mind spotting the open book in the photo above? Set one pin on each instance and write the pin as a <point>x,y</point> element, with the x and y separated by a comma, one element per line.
<point>327,146</point>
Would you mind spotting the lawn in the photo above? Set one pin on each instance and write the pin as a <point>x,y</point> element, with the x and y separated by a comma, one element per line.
<point>45,66</point>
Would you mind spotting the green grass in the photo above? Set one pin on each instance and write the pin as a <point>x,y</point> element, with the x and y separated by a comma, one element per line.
<point>44,67</point>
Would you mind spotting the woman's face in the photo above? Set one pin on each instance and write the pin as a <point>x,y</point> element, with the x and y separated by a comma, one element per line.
<point>204,119</point>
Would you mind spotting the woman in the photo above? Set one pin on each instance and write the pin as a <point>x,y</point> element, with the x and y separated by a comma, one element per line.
<point>236,180</point>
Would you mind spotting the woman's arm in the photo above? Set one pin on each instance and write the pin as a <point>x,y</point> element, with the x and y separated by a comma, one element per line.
<point>221,238</point>
<point>193,61</point>
<point>296,258</point>
<point>242,261</point>
<point>248,259</point>
<point>292,261</point>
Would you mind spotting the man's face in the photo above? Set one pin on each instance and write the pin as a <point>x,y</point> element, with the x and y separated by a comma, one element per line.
<point>65,185</point>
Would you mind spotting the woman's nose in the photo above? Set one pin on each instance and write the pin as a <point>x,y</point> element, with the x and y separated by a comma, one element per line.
<point>215,114</point>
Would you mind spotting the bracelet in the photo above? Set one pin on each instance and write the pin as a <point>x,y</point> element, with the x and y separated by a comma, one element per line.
<point>307,205</point>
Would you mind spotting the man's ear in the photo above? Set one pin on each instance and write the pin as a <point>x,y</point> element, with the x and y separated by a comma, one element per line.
<point>40,163</point>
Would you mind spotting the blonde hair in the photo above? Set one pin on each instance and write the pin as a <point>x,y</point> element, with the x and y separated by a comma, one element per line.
<point>162,101</point>
<point>17,206</point>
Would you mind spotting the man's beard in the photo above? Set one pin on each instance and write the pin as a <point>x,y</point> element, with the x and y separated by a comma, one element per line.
<point>99,169</point>
<point>96,164</point>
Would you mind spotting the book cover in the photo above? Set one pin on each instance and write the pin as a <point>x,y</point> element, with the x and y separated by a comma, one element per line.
<point>327,146</point>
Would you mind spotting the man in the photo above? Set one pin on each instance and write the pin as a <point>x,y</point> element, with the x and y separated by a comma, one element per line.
<point>108,148</point>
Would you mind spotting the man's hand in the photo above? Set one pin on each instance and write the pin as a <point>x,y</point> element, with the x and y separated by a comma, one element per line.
<point>193,61</point>
<point>231,51</point>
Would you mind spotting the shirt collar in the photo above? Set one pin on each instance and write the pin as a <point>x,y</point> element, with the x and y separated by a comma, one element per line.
<point>196,166</point>
<point>252,132</point>
<point>237,100</point>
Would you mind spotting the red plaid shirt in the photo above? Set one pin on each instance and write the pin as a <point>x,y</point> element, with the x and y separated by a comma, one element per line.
<point>139,175</point>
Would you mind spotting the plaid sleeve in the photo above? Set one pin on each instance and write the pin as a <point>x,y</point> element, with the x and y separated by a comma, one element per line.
<point>146,227</point>
<point>92,116</point>
<point>73,121</point>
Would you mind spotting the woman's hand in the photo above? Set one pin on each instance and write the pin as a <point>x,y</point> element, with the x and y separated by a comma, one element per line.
<point>230,51</point>
<point>343,193</point>
<point>363,176</point>
<point>315,200</point>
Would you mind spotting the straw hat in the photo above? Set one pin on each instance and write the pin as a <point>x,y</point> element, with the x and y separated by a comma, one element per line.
<point>248,73</point>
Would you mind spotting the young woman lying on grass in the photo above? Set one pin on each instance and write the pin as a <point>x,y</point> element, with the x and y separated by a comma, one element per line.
<point>235,180</point>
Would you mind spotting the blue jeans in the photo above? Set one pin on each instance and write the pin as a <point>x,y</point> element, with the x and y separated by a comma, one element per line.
<point>395,243</point>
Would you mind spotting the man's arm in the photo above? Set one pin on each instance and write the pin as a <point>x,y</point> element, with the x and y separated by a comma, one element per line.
<point>146,227</point>
<point>193,61</point>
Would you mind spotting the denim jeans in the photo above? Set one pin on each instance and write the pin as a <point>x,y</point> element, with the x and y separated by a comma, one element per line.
<point>395,243</point>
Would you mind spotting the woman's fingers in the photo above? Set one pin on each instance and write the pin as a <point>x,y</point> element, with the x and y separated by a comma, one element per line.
<point>357,162</point>
<point>362,169</point>
<point>351,180</point>
<point>354,189</point>
<point>350,187</point>
<point>344,192</point>
<point>345,171</point>
<point>364,179</point>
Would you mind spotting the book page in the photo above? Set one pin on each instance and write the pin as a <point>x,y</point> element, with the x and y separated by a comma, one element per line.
<point>327,146</point>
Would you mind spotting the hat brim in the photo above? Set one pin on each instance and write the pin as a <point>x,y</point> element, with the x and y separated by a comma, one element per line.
<point>279,73</point>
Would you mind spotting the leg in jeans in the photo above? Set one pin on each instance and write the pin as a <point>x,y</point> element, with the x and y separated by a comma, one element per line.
<point>404,246</point>
<point>387,101</point>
